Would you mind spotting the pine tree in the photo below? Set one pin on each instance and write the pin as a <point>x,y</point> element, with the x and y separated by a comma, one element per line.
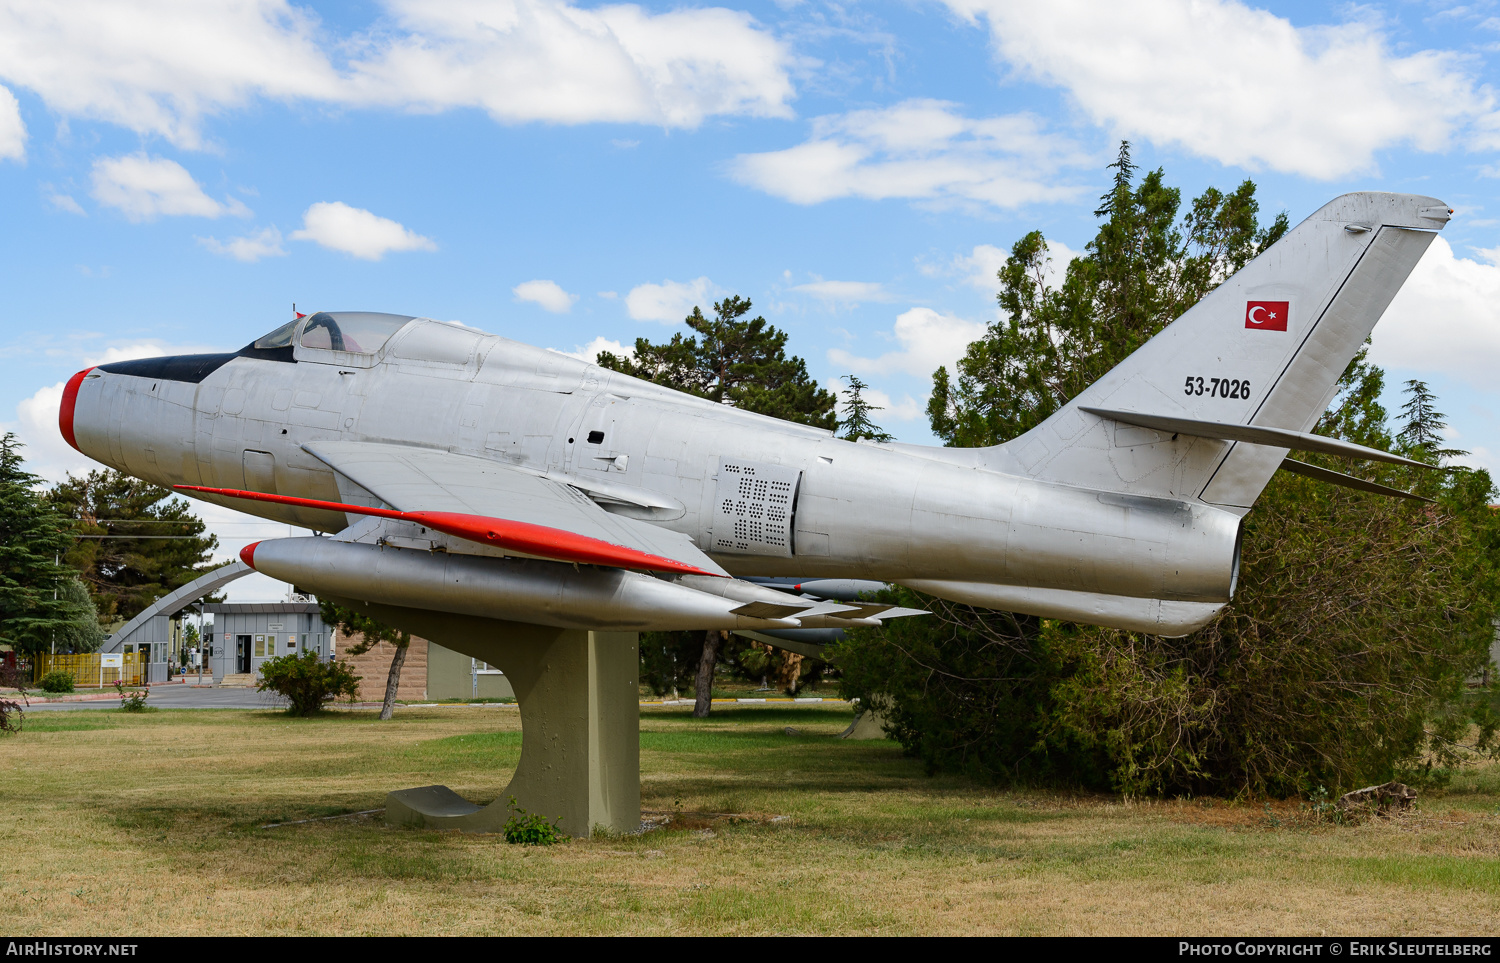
<point>1141,271</point>
<point>738,362</point>
<point>33,540</point>
<point>1422,424</point>
<point>856,423</point>
<point>121,554</point>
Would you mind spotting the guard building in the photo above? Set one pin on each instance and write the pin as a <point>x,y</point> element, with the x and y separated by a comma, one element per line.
<point>246,634</point>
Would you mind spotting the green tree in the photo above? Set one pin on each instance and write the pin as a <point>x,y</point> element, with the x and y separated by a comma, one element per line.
<point>373,632</point>
<point>1142,270</point>
<point>856,423</point>
<point>1358,619</point>
<point>669,661</point>
<point>83,633</point>
<point>307,681</point>
<point>737,362</point>
<point>33,540</point>
<point>734,361</point>
<point>135,541</point>
<point>1422,424</point>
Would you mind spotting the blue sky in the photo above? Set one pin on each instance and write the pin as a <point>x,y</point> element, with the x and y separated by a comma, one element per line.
<point>175,175</point>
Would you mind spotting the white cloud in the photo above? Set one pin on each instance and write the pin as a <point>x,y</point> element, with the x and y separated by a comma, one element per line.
<point>163,66</point>
<point>1443,320</point>
<point>980,267</point>
<point>1240,85</point>
<point>132,350</point>
<point>669,301</point>
<point>845,292</point>
<point>528,60</point>
<point>144,188</point>
<point>589,352</point>
<point>250,248</point>
<point>548,294</point>
<point>920,150</point>
<point>36,427</point>
<point>928,340</point>
<point>12,128</point>
<point>353,230</point>
<point>65,202</point>
<point>160,66</point>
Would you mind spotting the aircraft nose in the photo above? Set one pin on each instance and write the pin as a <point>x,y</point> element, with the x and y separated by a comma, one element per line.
<point>69,401</point>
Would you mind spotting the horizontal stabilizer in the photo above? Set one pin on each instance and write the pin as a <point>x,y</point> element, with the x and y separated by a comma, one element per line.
<point>825,613</point>
<point>1254,434</point>
<point>768,610</point>
<point>1348,481</point>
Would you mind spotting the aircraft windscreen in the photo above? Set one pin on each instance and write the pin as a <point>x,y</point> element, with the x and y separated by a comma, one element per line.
<point>280,338</point>
<point>362,332</point>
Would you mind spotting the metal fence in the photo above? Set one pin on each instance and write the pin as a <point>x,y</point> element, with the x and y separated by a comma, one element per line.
<point>87,671</point>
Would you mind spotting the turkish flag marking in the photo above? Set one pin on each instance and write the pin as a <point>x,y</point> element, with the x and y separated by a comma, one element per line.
<point>1266,315</point>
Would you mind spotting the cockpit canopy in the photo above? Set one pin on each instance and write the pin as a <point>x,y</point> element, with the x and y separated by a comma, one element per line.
<point>357,332</point>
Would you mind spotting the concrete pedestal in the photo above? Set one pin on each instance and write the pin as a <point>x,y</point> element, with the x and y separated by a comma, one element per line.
<point>580,724</point>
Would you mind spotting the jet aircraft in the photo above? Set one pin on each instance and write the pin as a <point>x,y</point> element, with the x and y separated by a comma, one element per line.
<point>460,472</point>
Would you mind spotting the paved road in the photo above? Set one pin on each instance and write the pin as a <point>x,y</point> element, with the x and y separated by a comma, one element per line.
<point>204,697</point>
<point>180,697</point>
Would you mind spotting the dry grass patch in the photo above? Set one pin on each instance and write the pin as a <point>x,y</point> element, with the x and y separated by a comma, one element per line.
<point>151,824</point>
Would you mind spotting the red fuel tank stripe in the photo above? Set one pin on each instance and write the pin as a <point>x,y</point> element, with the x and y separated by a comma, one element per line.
<point>65,413</point>
<point>554,543</point>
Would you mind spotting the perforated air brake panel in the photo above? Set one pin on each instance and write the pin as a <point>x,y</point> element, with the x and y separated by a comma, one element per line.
<point>753,508</point>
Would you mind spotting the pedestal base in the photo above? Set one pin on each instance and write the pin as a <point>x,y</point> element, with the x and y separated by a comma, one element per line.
<point>580,724</point>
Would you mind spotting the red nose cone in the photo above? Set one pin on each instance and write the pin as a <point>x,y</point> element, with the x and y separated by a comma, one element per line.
<point>247,554</point>
<point>65,413</point>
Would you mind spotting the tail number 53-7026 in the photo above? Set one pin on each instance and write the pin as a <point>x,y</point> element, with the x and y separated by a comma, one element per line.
<point>1216,387</point>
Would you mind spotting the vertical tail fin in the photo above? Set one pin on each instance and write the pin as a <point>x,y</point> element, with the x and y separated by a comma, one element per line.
<point>1266,348</point>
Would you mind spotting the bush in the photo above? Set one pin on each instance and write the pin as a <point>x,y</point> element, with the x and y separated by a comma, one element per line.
<point>306,681</point>
<point>530,829</point>
<point>12,717</point>
<point>57,681</point>
<point>134,700</point>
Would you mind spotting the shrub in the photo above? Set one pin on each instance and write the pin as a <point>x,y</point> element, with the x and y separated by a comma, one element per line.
<point>134,700</point>
<point>530,829</point>
<point>11,716</point>
<point>306,681</point>
<point>57,681</point>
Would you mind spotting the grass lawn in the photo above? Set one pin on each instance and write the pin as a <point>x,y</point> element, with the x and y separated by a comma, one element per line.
<point>150,824</point>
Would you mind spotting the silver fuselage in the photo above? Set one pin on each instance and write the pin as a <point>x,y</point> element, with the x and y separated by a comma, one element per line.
<point>887,512</point>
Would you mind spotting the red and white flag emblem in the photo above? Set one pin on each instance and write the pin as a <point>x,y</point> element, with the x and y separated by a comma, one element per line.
<point>1266,315</point>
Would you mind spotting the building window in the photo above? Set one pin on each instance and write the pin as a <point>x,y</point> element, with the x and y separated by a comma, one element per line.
<point>260,646</point>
